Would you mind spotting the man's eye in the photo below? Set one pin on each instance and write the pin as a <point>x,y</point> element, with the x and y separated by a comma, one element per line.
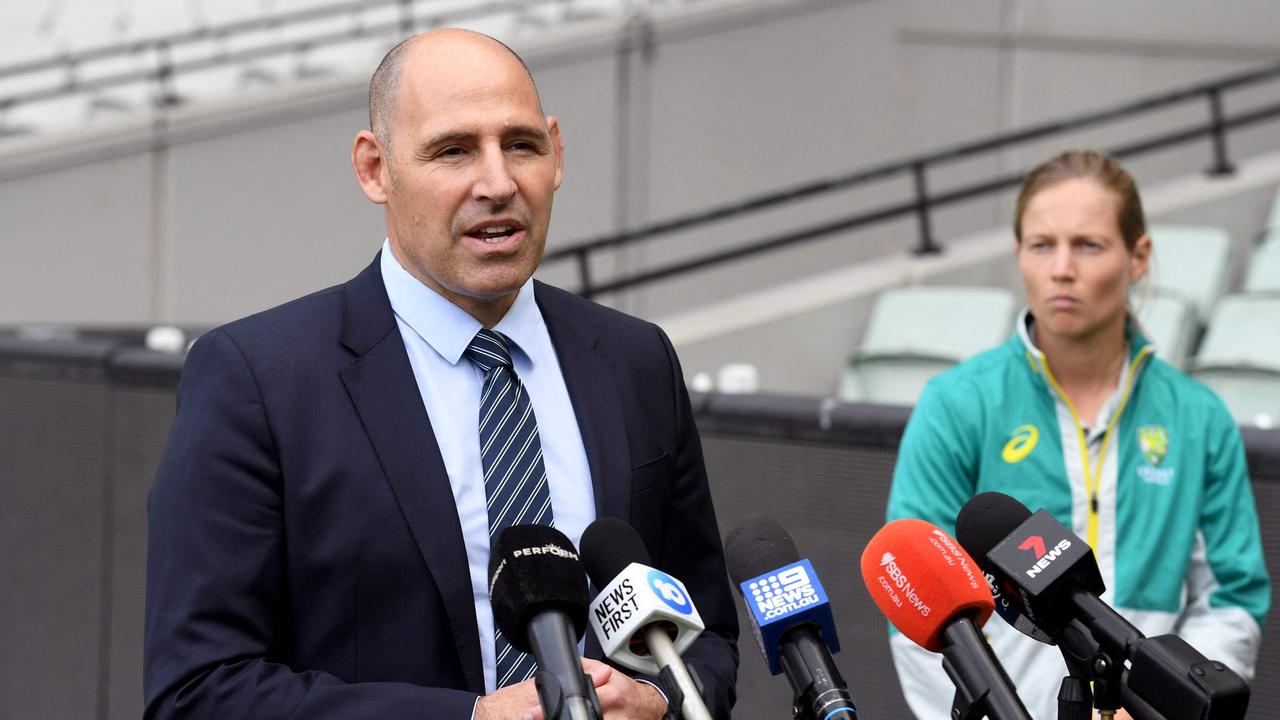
<point>450,152</point>
<point>523,146</point>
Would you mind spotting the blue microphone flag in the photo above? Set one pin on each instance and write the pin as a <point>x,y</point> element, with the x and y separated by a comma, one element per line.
<point>783,598</point>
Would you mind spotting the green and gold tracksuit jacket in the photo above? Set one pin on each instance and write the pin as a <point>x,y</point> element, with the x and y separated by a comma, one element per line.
<point>1157,485</point>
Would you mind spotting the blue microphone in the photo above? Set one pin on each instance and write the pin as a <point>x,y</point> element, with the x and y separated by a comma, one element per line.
<point>790,616</point>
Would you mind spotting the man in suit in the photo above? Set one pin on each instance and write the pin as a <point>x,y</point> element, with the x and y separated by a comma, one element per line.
<point>321,520</point>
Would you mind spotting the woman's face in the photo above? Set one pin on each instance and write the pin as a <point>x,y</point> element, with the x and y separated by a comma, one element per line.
<point>1074,263</point>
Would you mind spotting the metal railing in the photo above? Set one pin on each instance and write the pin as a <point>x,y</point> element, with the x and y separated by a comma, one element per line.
<point>922,201</point>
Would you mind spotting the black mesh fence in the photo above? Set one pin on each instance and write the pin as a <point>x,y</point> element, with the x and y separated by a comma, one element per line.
<point>83,424</point>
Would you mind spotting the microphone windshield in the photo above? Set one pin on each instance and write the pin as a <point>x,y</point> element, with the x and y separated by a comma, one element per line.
<point>534,569</point>
<point>609,545</point>
<point>987,519</point>
<point>982,524</point>
<point>756,545</point>
<point>922,580</point>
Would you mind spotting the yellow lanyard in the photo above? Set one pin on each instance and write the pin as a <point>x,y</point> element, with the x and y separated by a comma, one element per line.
<point>1092,480</point>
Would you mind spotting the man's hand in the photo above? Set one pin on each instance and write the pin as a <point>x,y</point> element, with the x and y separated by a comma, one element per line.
<point>621,698</point>
<point>513,702</point>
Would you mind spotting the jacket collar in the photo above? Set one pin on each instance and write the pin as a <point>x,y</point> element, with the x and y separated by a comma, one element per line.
<point>1138,346</point>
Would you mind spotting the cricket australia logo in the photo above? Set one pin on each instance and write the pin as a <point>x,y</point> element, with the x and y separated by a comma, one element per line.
<point>1153,440</point>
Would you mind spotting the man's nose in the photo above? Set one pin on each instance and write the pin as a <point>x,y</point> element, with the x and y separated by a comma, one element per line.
<point>495,182</point>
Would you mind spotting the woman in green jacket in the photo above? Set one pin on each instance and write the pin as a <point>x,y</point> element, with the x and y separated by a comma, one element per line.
<point>1074,414</point>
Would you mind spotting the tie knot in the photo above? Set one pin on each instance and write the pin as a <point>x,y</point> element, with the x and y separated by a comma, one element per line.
<point>488,349</point>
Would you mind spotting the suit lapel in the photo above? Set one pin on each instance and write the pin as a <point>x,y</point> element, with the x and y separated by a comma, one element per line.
<point>597,402</point>
<point>382,387</point>
<point>592,382</point>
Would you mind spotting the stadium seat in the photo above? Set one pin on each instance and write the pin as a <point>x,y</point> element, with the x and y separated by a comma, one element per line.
<point>1273,220</point>
<point>914,333</point>
<point>1264,265</point>
<point>1240,358</point>
<point>1192,262</point>
<point>1169,322</point>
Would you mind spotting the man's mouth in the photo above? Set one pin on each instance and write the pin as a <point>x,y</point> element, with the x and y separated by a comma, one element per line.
<point>494,233</point>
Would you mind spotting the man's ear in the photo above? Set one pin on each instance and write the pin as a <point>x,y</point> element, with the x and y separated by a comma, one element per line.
<point>369,160</point>
<point>557,147</point>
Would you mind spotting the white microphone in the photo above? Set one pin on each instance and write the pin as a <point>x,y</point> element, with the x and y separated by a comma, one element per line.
<point>643,617</point>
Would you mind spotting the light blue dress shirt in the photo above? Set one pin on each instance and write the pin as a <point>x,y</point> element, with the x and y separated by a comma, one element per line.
<point>436,332</point>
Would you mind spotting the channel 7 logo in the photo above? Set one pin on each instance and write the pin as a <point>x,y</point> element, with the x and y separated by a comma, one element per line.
<point>775,592</point>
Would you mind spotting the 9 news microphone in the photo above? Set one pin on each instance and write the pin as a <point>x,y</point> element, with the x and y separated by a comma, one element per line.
<point>1055,575</point>
<point>790,616</point>
<point>933,592</point>
<point>642,616</point>
<point>538,590</point>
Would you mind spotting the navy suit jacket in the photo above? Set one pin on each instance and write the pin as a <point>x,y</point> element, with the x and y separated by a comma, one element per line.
<point>305,558</point>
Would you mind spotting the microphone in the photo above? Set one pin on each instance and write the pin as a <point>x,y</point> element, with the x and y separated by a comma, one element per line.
<point>1055,575</point>
<point>790,616</point>
<point>643,617</point>
<point>539,595</point>
<point>1089,683</point>
<point>974,532</point>
<point>933,592</point>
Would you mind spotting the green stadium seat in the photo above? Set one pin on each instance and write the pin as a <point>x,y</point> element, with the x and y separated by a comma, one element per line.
<point>1240,358</point>
<point>1264,265</point>
<point>1273,221</point>
<point>1169,322</point>
<point>1192,262</point>
<point>916,332</point>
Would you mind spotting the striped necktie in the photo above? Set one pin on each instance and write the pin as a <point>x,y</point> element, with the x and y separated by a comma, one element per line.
<point>515,480</point>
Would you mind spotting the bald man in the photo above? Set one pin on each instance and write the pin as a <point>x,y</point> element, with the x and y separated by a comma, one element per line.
<point>321,521</point>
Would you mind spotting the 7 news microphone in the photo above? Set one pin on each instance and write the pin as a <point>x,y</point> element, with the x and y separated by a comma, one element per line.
<point>1054,577</point>
<point>643,617</point>
<point>538,590</point>
<point>790,616</point>
<point>934,593</point>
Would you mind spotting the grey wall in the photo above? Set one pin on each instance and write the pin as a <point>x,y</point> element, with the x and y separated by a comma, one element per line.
<point>223,209</point>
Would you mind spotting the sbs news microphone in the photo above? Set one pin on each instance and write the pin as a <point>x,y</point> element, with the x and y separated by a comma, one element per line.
<point>538,590</point>
<point>934,593</point>
<point>790,616</point>
<point>643,617</point>
<point>1055,575</point>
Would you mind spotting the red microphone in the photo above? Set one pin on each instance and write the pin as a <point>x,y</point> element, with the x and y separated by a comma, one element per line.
<point>934,593</point>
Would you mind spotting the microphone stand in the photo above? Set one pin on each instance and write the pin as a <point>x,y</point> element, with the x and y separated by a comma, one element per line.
<point>1087,662</point>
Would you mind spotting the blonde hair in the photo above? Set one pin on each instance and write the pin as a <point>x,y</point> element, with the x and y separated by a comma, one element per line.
<point>1093,165</point>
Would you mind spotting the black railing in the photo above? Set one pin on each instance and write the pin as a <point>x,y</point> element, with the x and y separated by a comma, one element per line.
<point>158,53</point>
<point>923,201</point>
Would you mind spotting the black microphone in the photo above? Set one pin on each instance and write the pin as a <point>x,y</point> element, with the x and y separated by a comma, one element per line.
<point>643,617</point>
<point>1089,684</point>
<point>538,590</point>
<point>1055,576</point>
<point>790,616</point>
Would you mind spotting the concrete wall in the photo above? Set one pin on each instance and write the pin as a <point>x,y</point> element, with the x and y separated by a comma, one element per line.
<point>215,211</point>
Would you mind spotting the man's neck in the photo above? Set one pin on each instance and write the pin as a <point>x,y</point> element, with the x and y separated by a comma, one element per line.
<point>488,312</point>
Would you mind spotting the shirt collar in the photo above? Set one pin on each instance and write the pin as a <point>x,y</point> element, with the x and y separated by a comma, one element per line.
<point>447,328</point>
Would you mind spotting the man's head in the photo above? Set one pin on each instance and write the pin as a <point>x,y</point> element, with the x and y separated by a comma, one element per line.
<point>465,163</point>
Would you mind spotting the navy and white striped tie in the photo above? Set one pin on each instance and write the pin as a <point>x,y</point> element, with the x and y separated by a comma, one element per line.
<point>515,480</point>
